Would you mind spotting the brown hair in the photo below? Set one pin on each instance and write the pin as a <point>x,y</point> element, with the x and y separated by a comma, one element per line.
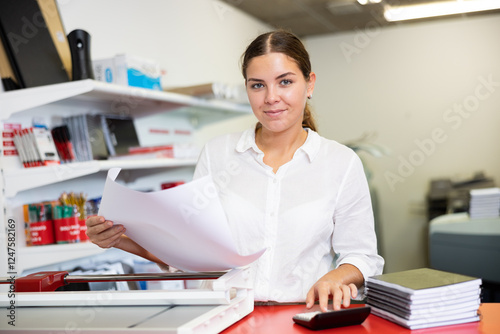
<point>282,41</point>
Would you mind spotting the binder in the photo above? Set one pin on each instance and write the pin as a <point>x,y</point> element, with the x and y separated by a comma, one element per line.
<point>53,19</point>
<point>30,49</point>
<point>120,134</point>
<point>7,75</point>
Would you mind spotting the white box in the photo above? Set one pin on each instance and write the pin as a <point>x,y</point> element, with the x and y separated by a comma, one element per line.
<point>128,70</point>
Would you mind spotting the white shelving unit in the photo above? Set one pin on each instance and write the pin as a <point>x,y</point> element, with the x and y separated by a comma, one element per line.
<point>136,102</point>
<point>24,179</point>
<point>86,96</point>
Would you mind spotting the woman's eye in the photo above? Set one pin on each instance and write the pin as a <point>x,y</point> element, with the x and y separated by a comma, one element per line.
<point>257,86</point>
<point>286,82</point>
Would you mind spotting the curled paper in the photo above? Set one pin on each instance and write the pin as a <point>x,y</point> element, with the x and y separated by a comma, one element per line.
<point>184,226</point>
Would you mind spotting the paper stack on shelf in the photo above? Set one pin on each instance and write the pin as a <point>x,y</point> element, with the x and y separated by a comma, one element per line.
<point>423,298</point>
<point>484,203</point>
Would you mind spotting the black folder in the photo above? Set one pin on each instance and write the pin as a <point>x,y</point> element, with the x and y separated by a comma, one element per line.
<point>33,56</point>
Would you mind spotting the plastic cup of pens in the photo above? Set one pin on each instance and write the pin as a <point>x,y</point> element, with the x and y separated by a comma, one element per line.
<point>66,224</point>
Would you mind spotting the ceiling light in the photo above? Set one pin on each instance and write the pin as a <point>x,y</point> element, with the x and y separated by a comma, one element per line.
<point>343,8</point>
<point>442,8</point>
<point>365,2</point>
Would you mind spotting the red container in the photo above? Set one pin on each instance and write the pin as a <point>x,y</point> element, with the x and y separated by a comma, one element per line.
<point>168,185</point>
<point>42,233</point>
<point>67,230</point>
<point>83,230</point>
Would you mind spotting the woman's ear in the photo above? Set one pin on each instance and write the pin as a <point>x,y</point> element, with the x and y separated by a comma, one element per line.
<point>310,84</point>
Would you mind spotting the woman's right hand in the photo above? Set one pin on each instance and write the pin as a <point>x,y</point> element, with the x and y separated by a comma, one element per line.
<point>103,232</point>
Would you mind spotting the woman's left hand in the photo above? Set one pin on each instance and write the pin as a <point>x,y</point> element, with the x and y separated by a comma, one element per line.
<point>332,284</point>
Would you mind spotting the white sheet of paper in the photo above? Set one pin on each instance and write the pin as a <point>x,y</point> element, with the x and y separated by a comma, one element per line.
<point>184,226</point>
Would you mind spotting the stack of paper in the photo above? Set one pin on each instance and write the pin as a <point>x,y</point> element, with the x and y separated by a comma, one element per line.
<point>484,203</point>
<point>423,298</point>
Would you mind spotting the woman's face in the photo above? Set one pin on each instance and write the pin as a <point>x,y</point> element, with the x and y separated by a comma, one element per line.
<point>277,91</point>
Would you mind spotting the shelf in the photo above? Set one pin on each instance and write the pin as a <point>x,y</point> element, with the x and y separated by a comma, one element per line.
<point>123,100</point>
<point>146,163</point>
<point>87,97</point>
<point>28,178</point>
<point>38,256</point>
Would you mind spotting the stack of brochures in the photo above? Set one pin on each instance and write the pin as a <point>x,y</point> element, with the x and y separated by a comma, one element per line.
<point>423,298</point>
<point>484,203</point>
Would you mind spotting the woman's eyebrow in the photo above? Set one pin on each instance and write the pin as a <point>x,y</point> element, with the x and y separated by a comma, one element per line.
<point>284,75</point>
<point>278,77</point>
<point>254,79</point>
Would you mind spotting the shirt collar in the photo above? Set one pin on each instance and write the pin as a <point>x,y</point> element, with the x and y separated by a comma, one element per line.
<point>247,141</point>
<point>312,144</point>
<point>310,147</point>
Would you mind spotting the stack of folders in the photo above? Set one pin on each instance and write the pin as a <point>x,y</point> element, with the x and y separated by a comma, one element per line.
<point>423,298</point>
<point>97,137</point>
<point>484,203</point>
<point>87,139</point>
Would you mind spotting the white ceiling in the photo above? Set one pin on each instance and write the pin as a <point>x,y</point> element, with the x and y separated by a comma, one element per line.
<point>315,17</point>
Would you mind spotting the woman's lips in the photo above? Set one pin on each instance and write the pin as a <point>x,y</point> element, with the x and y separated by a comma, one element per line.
<point>274,112</point>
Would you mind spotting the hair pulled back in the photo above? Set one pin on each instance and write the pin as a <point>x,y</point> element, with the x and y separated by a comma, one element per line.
<point>281,41</point>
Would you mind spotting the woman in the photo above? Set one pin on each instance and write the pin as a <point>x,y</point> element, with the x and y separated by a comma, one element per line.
<point>302,197</point>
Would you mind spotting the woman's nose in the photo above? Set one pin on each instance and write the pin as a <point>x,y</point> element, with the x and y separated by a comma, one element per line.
<point>272,95</point>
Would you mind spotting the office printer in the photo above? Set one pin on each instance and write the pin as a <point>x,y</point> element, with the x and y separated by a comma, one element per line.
<point>466,246</point>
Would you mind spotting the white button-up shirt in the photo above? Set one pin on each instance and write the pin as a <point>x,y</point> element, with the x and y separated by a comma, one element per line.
<point>314,208</point>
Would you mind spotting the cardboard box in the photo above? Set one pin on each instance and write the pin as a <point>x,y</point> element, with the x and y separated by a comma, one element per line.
<point>128,70</point>
<point>216,90</point>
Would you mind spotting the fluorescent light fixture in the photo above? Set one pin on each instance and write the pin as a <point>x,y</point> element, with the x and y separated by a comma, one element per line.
<point>441,8</point>
<point>365,2</point>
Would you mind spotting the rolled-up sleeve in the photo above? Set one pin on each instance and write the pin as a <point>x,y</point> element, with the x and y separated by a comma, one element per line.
<point>354,240</point>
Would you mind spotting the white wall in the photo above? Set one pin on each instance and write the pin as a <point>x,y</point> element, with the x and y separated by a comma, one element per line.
<point>399,82</point>
<point>405,83</point>
<point>195,41</point>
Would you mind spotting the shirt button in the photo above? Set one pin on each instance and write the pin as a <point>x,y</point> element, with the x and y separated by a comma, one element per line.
<point>275,181</point>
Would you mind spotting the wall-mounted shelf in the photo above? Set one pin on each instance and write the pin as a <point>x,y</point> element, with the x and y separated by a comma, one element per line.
<point>82,97</point>
<point>123,100</point>
<point>28,178</point>
<point>39,256</point>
